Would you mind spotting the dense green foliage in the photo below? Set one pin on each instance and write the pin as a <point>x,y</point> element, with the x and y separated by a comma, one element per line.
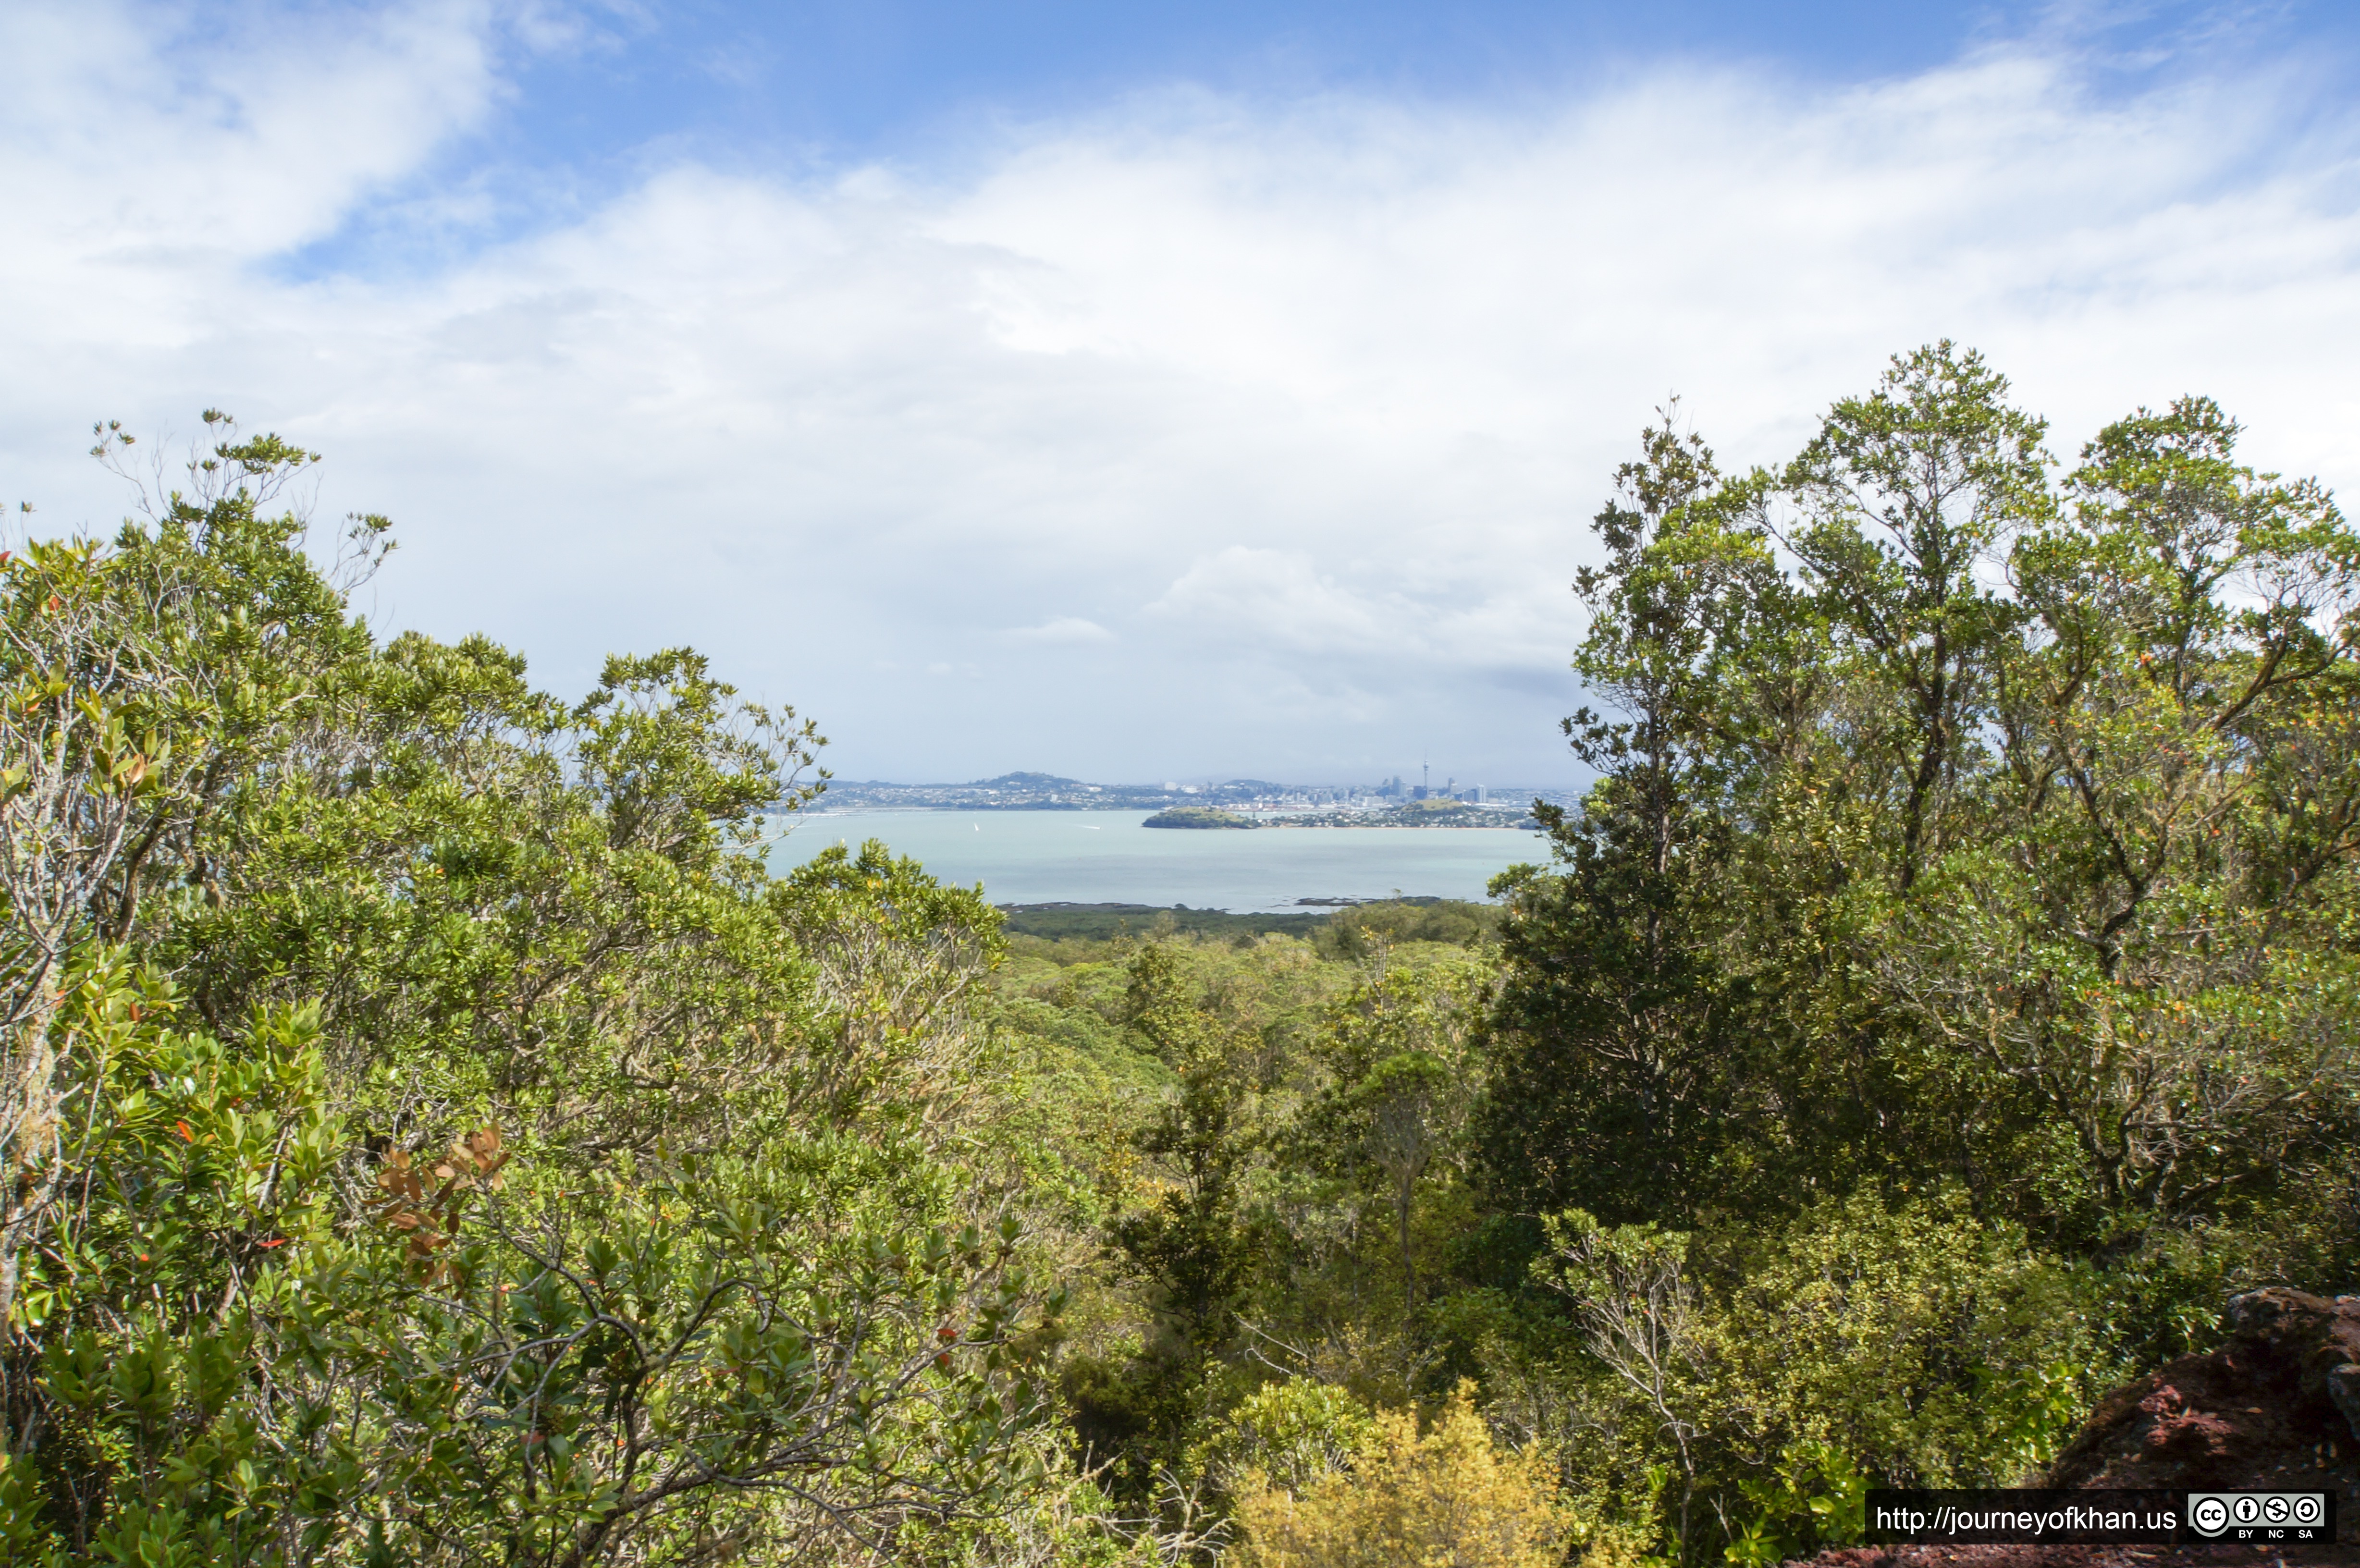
<point>436,1137</point>
<point>1942,999</point>
<point>1960,933</point>
<point>1106,923</point>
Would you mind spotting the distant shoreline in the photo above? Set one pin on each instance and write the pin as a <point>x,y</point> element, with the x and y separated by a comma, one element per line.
<point>1526,824</point>
<point>1053,792</point>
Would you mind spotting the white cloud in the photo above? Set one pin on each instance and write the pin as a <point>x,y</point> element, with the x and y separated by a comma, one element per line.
<point>1063,629</point>
<point>1273,597</point>
<point>1330,387</point>
<point>154,150</point>
<point>1259,600</point>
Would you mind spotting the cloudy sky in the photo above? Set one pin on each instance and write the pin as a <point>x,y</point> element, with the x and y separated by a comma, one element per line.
<point>1133,391</point>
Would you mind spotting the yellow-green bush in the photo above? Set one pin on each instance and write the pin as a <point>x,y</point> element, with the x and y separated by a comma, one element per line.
<point>1447,1496</point>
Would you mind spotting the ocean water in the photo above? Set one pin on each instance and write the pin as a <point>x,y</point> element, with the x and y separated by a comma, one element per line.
<point>1105,857</point>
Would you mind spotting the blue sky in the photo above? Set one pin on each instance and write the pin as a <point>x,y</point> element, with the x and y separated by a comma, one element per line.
<point>893,79</point>
<point>597,94</point>
<point>1130,391</point>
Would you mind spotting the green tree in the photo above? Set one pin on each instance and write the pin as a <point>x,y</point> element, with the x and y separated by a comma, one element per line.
<point>1902,498</point>
<point>1622,1016</point>
<point>444,1139</point>
<point>1405,1075</point>
<point>1948,972</point>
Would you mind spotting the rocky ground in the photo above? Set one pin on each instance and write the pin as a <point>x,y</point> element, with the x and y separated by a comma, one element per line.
<point>2276,1408</point>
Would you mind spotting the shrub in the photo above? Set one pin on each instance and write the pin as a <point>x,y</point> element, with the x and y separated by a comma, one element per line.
<point>1447,1496</point>
<point>1290,1435</point>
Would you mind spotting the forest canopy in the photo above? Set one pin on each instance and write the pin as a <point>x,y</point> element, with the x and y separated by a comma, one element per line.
<point>436,1135</point>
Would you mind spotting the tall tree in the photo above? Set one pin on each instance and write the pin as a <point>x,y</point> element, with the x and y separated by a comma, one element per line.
<point>1619,1011</point>
<point>1905,502</point>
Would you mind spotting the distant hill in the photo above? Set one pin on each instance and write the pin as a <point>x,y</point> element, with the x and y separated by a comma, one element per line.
<point>1045,781</point>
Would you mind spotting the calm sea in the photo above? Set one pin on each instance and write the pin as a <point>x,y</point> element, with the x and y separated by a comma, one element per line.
<point>1105,857</point>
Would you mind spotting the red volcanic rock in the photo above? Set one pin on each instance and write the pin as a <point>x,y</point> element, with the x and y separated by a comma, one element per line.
<point>2276,1407</point>
<point>2262,1411</point>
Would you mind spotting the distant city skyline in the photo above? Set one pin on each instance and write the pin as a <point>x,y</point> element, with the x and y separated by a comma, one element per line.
<point>1029,789</point>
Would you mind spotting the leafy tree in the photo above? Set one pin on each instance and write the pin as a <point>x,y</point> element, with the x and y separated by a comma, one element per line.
<point>1902,497</point>
<point>1400,1049</point>
<point>439,1137</point>
<point>1289,1433</point>
<point>444,1139</point>
<point>1622,1019</point>
<point>1948,972</point>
